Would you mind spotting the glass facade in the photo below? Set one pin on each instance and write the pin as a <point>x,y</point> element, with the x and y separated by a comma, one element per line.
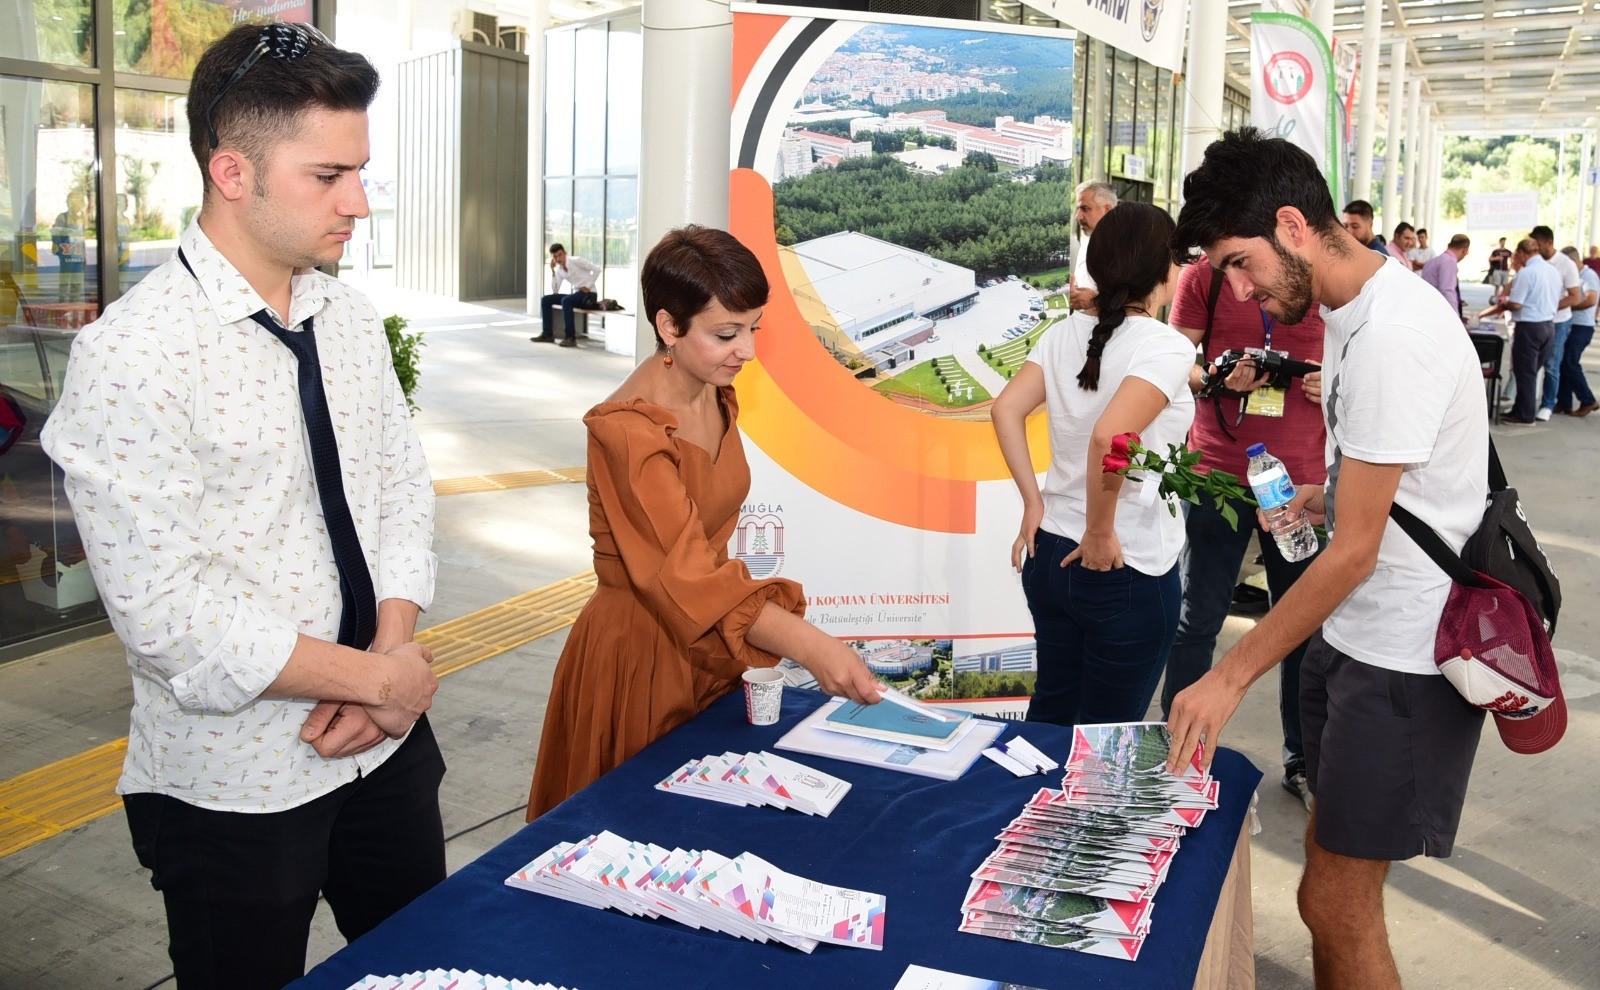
<point>591,148</point>
<point>1130,129</point>
<point>96,183</point>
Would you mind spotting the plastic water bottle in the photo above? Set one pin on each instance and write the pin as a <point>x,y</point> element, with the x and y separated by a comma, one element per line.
<point>1270,481</point>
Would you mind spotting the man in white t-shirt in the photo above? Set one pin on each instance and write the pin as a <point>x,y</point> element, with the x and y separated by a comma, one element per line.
<point>1571,292</point>
<point>1423,252</point>
<point>1095,200</point>
<point>1389,743</point>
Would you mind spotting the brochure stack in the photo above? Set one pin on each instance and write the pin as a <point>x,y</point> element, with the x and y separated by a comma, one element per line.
<point>744,896</point>
<point>1080,867</point>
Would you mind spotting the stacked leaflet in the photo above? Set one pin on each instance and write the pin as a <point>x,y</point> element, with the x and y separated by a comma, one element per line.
<point>1080,867</point>
<point>744,896</point>
<point>448,979</point>
<point>757,779</point>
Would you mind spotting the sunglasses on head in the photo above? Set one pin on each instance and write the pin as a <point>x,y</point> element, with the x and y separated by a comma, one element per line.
<point>284,42</point>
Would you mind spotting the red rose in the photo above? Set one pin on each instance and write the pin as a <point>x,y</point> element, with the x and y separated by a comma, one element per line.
<point>1113,464</point>
<point>1123,443</point>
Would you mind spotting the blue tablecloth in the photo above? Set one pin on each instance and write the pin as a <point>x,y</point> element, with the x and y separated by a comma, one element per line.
<point>913,839</point>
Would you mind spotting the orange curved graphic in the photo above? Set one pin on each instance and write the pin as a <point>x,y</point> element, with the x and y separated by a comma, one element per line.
<point>754,33</point>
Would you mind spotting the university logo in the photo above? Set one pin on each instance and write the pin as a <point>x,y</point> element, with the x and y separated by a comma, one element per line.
<point>1149,18</point>
<point>758,540</point>
<point>1287,77</point>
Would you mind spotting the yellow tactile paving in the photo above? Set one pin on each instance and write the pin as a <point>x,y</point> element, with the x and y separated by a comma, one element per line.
<point>67,793</point>
<point>503,482</point>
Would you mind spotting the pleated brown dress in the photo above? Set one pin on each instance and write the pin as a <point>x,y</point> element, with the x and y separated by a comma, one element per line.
<point>664,635</point>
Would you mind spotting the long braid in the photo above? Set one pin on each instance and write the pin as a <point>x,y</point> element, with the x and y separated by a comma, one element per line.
<point>1112,304</point>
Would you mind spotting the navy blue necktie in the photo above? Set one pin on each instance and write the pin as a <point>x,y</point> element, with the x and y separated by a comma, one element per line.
<point>358,623</point>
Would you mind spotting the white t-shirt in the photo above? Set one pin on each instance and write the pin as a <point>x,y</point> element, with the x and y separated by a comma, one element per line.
<point>1569,280</point>
<point>1404,386</point>
<point>1151,536</point>
<point>1081,278</point>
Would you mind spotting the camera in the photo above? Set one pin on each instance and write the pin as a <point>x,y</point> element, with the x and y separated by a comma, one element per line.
<point>1276,365</point>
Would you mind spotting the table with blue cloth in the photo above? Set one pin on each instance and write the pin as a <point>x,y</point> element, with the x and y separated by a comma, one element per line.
<point>914,839</point>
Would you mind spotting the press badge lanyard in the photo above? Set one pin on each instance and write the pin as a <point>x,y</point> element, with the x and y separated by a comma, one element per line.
<point>1267,324</point>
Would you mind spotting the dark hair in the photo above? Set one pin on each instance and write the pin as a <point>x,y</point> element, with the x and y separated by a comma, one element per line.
<point>1401,228</point>
<point>265,105</point>
<point>1461,241</point>
<point>1421,231</point>
<point>1129,256</point>
<point>692,265</point>
<point>1359,208</point>
<point>1242,182</point>
<point>556,249</point>
<point>1542,233</point>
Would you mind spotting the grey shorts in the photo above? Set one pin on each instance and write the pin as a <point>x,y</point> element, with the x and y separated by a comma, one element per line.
<point>1388,756</point>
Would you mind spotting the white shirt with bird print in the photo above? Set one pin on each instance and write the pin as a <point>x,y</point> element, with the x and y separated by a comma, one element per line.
<point>180,433</point>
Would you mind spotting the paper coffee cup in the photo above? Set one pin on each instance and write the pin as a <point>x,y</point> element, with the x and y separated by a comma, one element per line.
<point>763,695</point>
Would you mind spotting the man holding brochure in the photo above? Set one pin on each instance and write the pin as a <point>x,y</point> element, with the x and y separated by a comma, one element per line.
<point>1389,742</point>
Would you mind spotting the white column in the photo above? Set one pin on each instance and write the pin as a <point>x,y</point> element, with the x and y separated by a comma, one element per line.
<point>1594,206</point>
<point>1580,221</point>
<point>1413,143</point>
<point>1202,111</point>
<point>1430,177</point>
<point>1322,17</point>
<point>1438,179</point>
<point>538,20</point>
<point>683,167</point>
<point>1561,189</point>
<point>1366,100</point>
<point>1391,149</point>
<point>1424,151</point>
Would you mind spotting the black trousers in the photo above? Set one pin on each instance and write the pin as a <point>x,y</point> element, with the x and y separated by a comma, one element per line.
<point>1530,349</point>
<point>240,889</point>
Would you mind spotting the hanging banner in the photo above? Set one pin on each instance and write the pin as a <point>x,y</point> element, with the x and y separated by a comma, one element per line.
<point>908,188</point>
<point>1502,210</point>
<point>1151,30</point>
<point>1292,90</point>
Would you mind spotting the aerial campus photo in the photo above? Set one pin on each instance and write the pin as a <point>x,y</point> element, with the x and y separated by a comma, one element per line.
<point>924,187</point>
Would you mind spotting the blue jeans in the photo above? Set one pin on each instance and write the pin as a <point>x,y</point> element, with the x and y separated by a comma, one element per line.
<point>1103,636</point>
<point>1210,568</point>
<point>1552,366</point>
<point>568,301</point>
<point>1573,383</point>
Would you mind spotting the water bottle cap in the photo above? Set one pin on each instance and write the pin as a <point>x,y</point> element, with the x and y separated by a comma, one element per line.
<point>1255,450</point>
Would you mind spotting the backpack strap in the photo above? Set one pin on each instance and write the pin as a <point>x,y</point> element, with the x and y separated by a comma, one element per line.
<point>1434,546</point>
<point>1497,474</point>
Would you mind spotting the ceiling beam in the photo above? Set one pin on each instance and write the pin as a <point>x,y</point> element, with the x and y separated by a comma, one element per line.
<point>1566,52</point>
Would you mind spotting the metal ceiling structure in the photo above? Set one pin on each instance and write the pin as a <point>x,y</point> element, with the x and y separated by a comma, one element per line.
<point>1518,66</point>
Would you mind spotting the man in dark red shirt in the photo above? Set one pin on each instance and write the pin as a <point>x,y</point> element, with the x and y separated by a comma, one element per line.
<point>1290,423</point>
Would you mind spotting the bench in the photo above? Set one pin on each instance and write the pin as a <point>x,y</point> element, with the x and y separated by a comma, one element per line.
<point>583,316</point>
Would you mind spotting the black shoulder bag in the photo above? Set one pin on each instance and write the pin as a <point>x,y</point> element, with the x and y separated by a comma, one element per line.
<point>1503,547</point>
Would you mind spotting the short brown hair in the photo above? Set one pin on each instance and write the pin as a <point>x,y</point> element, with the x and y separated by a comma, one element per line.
<point>692,265</point>
<point>265,105</point>
<point>1462,241</point>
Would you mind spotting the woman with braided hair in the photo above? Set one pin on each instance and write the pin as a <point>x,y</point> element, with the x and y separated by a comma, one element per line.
<point>1099,556</point>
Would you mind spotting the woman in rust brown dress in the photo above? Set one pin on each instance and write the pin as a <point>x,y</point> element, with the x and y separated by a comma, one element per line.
<point>674,622</point>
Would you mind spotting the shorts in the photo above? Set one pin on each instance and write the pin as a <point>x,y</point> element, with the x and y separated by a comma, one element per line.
<point>1388,756</point>
<point>1499,277</point>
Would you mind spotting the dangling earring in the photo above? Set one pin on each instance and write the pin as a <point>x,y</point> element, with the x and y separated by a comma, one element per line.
<point>667,358</point>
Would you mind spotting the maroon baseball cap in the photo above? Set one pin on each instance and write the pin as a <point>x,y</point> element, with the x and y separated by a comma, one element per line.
<point>1492,647</point>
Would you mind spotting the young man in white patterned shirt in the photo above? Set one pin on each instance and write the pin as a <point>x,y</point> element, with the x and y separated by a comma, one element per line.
<point>259,517</point>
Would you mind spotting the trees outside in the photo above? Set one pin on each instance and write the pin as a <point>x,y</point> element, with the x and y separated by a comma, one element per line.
<point>969,216</point>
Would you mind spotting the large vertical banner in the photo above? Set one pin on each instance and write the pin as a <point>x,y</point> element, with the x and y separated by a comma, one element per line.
<point>1293,93</point>
<point>908,188</point>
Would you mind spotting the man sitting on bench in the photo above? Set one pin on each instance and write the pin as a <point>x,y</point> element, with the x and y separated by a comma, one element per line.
<point>580,275</point>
